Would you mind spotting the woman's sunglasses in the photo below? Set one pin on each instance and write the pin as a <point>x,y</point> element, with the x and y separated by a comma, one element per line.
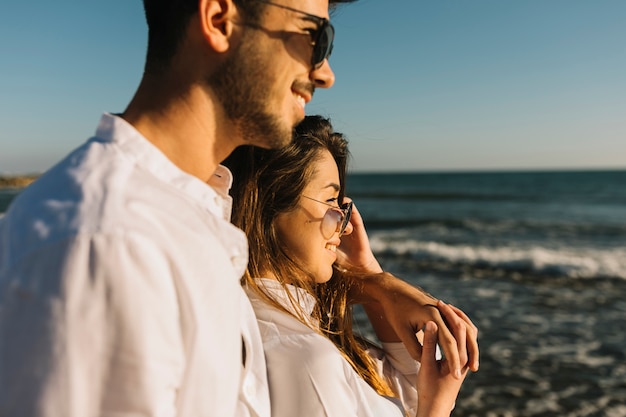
<point>335,219</point>
<point>321,39</point>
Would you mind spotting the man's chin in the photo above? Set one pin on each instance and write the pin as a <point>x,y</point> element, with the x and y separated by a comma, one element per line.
<point>281,135</point>
<point>266,135</point>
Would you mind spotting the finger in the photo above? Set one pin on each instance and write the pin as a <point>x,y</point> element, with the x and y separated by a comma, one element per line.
<point>462,315</point>
<point>459,329</point>
<point>472,340</point>
<point>411,344</point>
<point>429,349</point>
<point>448,341</point>
<point>465,318</point>
<point>355,218</point>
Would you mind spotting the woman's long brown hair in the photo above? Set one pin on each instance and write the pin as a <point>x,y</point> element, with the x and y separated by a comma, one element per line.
<point>269,182</point>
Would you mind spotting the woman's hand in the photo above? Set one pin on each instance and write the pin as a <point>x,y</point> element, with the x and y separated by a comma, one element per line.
<point>407,309</point>
<point>355,253</point>
<point>437,388</point>
<point>398,310</point>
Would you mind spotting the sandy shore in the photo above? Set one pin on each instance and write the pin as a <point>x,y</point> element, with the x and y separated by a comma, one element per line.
<point>16,181</point>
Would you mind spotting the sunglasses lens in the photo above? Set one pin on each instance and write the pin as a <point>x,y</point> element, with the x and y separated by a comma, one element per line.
<point>347,208</point>
<point>331,220</point>
<point>323,44</point>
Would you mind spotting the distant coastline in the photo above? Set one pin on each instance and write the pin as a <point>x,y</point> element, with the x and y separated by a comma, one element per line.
<point>18,181</point>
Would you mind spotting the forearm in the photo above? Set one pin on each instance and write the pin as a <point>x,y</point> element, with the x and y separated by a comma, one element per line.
<point>381,289</point>
<point>374,291</point>
<point>379,322</point>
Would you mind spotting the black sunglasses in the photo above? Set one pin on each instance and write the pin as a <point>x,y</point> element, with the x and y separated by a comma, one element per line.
<point>321,39</point>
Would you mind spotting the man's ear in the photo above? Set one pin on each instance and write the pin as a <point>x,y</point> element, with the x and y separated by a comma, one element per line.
<point>216,20</point>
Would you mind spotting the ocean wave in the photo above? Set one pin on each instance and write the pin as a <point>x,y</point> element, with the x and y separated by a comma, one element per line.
<point>432,196</point>
<point>559,229</point>
<point>532,259</point>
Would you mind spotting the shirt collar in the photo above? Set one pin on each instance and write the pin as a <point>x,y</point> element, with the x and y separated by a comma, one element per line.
<point>212,195</point>
<point>278,292</point>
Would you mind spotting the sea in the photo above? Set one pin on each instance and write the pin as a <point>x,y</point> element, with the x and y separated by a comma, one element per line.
<point>538,262</point>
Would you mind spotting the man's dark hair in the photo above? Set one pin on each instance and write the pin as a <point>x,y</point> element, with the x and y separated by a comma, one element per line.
<point>168,19</point>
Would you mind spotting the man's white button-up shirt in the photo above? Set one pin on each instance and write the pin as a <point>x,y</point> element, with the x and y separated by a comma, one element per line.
<point>119,290</point>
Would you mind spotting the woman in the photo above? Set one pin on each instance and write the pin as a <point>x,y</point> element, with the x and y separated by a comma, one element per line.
<point>291,205</point>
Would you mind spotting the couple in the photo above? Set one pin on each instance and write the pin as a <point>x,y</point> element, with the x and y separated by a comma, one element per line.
<point>119,268</point>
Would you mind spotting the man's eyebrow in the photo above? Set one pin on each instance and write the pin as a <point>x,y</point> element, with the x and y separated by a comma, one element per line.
<point>314,19</point>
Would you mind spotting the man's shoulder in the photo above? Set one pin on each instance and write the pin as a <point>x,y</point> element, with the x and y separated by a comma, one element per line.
<point>99,190</point>
<point>78,196</point>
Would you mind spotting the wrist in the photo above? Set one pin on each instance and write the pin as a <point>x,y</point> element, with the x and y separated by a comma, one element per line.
<point>370,288</point>
<point>433,408</point>
<point>361,269</point>
<point>373,267</point>
<point>384,288</point>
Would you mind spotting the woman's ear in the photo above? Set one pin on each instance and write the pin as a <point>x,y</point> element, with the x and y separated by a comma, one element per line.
<point>217,22</point>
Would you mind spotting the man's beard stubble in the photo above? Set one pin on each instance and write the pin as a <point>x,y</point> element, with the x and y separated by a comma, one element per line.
<point>242,86</point>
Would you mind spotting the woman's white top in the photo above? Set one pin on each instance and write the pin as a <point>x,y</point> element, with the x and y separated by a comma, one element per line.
<point>307,374</point>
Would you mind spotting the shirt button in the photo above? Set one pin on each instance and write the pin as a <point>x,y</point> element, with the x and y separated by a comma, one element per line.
<point>239,262</point>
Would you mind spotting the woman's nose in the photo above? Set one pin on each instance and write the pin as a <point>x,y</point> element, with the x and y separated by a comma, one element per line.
<point>348,229</point>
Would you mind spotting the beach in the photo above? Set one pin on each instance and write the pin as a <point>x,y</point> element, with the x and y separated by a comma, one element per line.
<point>17,181</point>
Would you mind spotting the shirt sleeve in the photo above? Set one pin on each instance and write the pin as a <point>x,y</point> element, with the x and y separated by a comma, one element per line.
<point>89,326</point>
<point>400,370</point>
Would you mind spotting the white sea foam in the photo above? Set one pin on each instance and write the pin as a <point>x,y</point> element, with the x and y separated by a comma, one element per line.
<point>567,261</point>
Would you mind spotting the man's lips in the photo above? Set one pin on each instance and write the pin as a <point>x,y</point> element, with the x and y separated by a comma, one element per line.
<point>300,99</point>
<point>303,92</point>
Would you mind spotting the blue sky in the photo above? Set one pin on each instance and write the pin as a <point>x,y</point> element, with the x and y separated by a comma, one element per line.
<point>440,85</point>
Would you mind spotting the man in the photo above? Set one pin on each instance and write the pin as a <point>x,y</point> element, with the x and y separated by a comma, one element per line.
<point>119,270</point>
